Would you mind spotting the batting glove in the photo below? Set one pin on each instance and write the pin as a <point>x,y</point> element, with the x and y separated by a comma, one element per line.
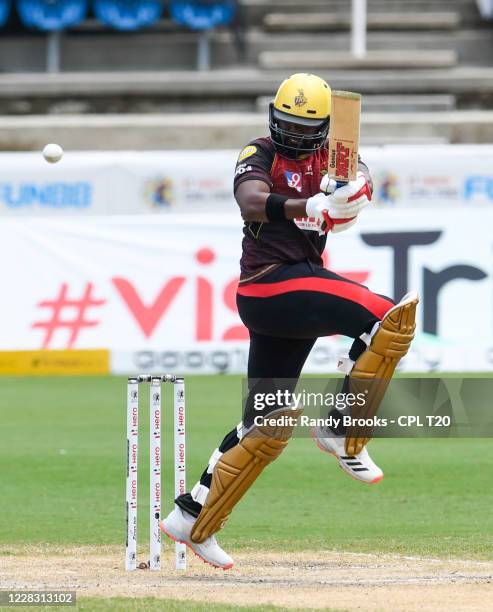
<point>348,201</point>
<point>317,205</point>
<point>341,225</point>
<point>323,208</point>
<point>328,185</point>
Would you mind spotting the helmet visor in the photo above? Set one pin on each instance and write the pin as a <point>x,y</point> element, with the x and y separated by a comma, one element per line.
<point>297,136</point>
<point>312,125</point>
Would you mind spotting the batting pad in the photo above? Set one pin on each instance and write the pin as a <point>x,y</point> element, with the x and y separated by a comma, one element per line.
<point>374,368</point>
<point>239,467</point>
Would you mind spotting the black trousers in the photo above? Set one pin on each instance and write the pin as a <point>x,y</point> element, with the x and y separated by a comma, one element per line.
<point>286,311</point>
<point>289,309</point>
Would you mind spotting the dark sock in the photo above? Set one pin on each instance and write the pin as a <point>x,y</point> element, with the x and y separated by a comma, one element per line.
<point>340,430</point>
<point>187,503</point>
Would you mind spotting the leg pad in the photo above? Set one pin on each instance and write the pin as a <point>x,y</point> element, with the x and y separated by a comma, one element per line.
<point>239,467</point>
<point>374,368</point>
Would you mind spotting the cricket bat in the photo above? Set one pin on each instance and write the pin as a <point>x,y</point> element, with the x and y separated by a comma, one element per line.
<point>344,136</point>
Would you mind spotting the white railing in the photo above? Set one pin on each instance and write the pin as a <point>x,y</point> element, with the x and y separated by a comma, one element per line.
<point>485,8</point>
<point>358,28</point>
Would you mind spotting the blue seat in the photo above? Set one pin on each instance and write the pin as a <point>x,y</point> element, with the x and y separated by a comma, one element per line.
<point>202,14</point>
<point>4,11</point>
<point>128,15</point>
<point>51,15</point>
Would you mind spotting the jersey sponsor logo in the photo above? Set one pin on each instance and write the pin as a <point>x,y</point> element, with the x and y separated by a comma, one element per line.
<point>294,180</point>
<point>309,224</point>
<point>242,168</point>
<point>247,152</point>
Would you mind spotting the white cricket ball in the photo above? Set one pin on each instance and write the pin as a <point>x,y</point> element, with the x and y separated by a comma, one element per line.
<point>52,153</point>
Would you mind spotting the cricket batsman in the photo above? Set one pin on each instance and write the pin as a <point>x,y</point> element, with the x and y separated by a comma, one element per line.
<point>287,299</point>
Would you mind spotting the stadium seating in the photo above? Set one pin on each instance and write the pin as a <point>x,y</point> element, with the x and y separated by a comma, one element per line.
<point>445,46</point>
<point>202,14</point>
<point>5,6</point>
<point>51,15</point>
<point>128,15</point>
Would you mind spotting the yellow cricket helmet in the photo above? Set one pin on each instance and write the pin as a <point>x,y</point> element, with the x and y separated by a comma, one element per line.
<point>300,114</point>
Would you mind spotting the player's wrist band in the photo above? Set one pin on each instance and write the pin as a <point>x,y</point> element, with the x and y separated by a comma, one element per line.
<point>274,207</point>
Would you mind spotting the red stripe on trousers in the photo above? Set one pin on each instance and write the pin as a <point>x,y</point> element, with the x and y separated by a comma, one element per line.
<point>377,305</point>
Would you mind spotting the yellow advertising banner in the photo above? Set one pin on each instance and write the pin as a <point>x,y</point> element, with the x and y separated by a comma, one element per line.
<point>48,362</point>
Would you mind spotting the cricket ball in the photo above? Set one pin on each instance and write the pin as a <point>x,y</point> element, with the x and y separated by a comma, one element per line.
<point>52,153</point>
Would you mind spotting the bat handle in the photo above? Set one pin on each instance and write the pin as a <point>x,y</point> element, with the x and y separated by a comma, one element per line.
<point>340,184</point>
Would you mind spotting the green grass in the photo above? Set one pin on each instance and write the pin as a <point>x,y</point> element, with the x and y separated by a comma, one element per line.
<point>62,458</point>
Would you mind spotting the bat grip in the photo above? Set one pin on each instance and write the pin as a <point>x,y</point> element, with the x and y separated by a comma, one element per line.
<point>340,184</point>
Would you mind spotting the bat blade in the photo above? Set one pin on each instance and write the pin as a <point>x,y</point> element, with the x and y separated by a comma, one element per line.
<point>344,136</point>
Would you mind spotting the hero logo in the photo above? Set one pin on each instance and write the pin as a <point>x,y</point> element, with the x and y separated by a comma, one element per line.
<point>157,457</point>
<point>157,419</point>
<point>294,180</point>
<point>181,452</point>
<point>134,454</point>
<point>181,417</point>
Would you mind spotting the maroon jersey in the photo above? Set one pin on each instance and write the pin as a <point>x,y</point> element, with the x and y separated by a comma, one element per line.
<point>268,244</point>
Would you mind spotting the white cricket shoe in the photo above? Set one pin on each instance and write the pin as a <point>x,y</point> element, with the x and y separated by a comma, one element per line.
<point>361,467</point>
<point>178,526</point>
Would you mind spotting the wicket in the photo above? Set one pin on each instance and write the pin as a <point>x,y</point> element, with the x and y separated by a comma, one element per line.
<point>155,404</point>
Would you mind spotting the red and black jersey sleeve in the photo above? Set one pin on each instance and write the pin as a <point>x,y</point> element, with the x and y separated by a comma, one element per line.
<point>255,162</point>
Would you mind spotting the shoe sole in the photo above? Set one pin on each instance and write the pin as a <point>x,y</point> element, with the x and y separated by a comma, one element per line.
<point>324,450</point>
<point>171,537</point>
